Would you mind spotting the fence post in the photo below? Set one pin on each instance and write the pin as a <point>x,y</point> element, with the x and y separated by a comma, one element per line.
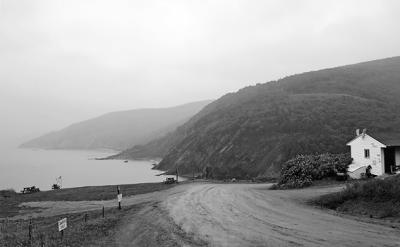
<point>41,240</point>
<point>103,211</point>
<point>119,192</point>
<point>30,230</point>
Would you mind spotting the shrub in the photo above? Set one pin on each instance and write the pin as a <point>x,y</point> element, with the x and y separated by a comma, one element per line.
<point>304,169</point>
<point>7,193</point>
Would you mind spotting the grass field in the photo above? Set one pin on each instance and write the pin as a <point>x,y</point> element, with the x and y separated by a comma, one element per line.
<point>96,231</point>
<point>9,201</point>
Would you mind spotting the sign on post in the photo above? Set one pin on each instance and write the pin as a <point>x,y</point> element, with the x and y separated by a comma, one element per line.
<point>119,197</point>
<point>62,224</point>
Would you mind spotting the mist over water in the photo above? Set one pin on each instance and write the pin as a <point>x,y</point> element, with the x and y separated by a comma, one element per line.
<point>27,167</point>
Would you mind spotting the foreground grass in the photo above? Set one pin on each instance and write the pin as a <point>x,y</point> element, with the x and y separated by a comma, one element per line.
<point>96,231</point>
<point>374,198</point>
<point>9,200</point>
<point>317,183</point>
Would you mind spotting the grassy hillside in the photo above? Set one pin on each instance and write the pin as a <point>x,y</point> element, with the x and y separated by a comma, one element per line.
<point>254,131</point>
<point>118,130</point>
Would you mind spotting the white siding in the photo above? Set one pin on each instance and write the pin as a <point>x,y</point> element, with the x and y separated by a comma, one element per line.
<point>397,150</point>
<point>376,159</point>
<point>383,160</point>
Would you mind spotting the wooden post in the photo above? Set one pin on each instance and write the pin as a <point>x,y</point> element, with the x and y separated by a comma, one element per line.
<point>30,230</point>
<point>103,211</point>
<point>62,234</point>
<point>86,216</point>
<point>41,240</point>
<point>177,175</point>
<point>118,192</point>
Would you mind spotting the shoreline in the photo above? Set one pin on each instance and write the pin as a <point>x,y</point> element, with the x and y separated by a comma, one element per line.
<point>76,167</point>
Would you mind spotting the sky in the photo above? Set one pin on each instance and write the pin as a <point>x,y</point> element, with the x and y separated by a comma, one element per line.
<point>67,61</point>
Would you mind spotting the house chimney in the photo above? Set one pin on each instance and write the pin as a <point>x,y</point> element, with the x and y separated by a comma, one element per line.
<point>357,132</point>
<point>364,132</point>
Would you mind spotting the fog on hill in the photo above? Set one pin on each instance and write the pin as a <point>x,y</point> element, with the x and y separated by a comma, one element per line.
<point>118,130</point>
<point>63,63</point>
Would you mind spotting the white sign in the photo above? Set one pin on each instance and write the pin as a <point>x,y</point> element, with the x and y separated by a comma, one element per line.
<point>62,224</point>
<point>119,197</point>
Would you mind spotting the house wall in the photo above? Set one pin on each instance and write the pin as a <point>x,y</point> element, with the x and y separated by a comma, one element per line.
<point>397,156</point>
<point>376,159</point>
<point>383,160</point>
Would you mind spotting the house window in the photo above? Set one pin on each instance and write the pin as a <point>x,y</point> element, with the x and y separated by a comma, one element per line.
<point>366,153</point>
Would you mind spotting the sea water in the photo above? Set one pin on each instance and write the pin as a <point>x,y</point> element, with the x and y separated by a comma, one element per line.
<point>35,167</point>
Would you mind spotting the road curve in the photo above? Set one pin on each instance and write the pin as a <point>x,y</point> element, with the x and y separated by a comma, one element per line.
<point>252,215</point>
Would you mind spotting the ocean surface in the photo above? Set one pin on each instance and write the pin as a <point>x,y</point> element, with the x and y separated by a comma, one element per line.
<point>27,167</point>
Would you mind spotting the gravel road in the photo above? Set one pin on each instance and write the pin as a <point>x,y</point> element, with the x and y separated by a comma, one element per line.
<point>251,215</point>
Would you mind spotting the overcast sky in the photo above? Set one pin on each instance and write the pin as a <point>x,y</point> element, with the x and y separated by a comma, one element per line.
<point>65,61</point>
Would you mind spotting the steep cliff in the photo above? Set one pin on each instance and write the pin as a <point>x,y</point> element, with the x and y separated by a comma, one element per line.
<point>252,132</point>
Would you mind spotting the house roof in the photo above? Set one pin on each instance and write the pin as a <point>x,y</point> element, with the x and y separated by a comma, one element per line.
<point>389,139</point>
<point>348,143</point>
<point>359,136</point>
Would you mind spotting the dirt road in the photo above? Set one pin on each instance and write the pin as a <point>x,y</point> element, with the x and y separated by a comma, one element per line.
<point>251,215</point>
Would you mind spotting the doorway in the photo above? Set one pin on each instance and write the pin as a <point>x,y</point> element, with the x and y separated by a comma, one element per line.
<point>390,159</point>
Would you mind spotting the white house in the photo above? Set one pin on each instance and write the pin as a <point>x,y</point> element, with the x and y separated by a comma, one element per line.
<point>380,152</point>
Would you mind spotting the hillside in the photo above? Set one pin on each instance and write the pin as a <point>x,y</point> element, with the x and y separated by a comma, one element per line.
<point>118,130</point>
<point>252,132</point>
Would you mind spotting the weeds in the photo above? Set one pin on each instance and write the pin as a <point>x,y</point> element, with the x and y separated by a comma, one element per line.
<point>377,197</point>
<point>96,231</point>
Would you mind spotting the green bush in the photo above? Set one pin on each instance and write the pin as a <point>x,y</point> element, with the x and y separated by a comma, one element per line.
<point>304,169</point>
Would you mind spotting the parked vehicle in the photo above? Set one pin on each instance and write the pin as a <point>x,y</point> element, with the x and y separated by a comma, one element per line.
<point>169,181</point>
<point>29,190</point>
<point>55,187</point>
<point>341,176</point>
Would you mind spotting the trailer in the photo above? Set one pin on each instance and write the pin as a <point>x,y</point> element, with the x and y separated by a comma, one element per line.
<point>29,190</point>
